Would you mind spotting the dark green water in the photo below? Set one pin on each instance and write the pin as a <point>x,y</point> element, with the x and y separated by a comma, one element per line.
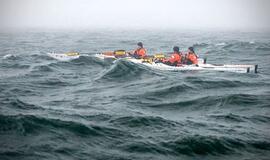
<point>93,109</point>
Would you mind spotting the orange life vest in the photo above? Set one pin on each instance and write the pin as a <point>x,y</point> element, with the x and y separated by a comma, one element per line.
<point>141,52</point>
<point>192,57</point>
<point>175,58</point>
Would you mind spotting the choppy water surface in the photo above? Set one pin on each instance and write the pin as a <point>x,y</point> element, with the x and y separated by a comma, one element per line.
<point>93,109</point>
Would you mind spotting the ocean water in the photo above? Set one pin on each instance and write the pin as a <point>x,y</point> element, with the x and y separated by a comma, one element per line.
<point>93,109</point>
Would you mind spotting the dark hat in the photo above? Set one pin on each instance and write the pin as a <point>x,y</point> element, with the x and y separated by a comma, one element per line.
<point>191,49</point>
<point>176,49</point>
<point>140,44</point>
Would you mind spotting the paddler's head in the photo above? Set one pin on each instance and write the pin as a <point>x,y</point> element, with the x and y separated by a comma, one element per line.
<point>140,44</point>
<point>176,49</point>
<point>191,50</point>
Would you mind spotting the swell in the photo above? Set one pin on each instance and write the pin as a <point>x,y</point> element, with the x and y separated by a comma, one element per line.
<point>194,145</point>
<point>82,61</point>
<point>165,91</point>
<point>89,60</point>
<point>234,44</point>
<point>144,121</point>
<point>246,45</point>
<point>42,68</point>
<point>234,47</point>
<point>206,83</point>
<point>236,118</point>
<point>7,65</point>
<point>212,145</point>
<point>29,135</point>
<point>160,91</point>
<point>123,71</point>
<point>173,88</point>
<point>263,47</point>
<point>49,83</point>
<point>231,118</point>
<point>33,125</point>
<point>230,100</point>
<point>10,57</point>
<point>16,103</point>
<point>74,134</point>
<point>41,63</point>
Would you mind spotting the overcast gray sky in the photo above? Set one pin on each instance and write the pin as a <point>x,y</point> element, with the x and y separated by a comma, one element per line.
<point>186,14</point>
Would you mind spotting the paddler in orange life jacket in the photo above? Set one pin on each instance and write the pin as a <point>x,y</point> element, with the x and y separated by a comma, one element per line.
<point>175,59</point>
<point>140,52</point>
<point>191,57</point>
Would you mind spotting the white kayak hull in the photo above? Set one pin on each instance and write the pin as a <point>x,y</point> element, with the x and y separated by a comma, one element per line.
<point>200,66</point>
<point>64,56</point>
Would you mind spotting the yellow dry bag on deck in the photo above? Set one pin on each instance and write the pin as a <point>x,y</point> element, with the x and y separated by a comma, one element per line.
<point>119,52</point>
<point>72,54</point>
<point>159,56</point>
<point>147,60</point>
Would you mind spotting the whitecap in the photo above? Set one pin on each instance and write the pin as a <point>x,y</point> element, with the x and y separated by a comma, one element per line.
<point>221,44</point>
<point>8,56</point>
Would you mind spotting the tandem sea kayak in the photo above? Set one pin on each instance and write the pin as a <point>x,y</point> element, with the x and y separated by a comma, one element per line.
<point>202,65</point>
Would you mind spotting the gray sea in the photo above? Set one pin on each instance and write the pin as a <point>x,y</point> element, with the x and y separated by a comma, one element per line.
<point>88,108</point>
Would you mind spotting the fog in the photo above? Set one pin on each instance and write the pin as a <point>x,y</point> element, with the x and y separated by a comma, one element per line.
<point>163,14</point>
